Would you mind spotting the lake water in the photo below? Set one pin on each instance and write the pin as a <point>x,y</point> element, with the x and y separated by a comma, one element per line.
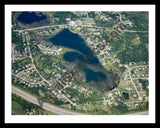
<point>72,56</point>
<point>91,75</point>
<point>30,17</point>
<point>68,39</point>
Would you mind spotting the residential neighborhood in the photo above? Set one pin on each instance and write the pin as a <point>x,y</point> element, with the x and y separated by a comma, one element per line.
<point>38,64</point>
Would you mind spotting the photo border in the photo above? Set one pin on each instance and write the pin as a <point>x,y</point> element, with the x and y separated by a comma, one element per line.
<point>75,118</point>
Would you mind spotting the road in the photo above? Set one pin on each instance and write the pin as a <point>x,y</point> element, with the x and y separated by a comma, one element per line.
<point>129,70</point>
<point>43,79</point>
<point>120,18</point>
<point>46,106</point>
<point>134,84</point>
<point>53,108</point>
<point>42,27</point>
<point>136,31</point>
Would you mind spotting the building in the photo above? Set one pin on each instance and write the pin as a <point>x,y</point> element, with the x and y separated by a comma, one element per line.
<point>68,20</point>
<point>72,23</point>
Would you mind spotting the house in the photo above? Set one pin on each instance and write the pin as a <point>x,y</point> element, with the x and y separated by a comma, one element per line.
<point>120,65</point>
<point>74,99</point>
<point>64,70</point>
<point>136,105</point>
<point>68,96</point>
<point>60,49</point>
<point>139,84</point>
<point>134,95</point>
<point>129,89</point>
<point>110,95</point>
<point>116,104</point>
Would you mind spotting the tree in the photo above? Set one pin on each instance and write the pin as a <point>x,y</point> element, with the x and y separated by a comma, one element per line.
<point>18,41</point>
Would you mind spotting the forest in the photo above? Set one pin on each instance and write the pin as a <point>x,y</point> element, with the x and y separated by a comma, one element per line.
<point>131,47</point>
<point>139,20</point>
<point>63,15</point>
<point>19,64</point>
<point>18,41</point>
<point>23,107</point>
<point>134,52</point>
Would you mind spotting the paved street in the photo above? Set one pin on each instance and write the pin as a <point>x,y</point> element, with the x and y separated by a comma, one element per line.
<point>46,106</point>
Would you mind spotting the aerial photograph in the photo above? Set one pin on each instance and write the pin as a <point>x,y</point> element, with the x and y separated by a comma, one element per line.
<point>80,62</point>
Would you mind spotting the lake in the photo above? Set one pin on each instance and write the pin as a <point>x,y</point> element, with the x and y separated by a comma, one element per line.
<point>68,39</point>
<point>81,54</point>
<point>91,75</point>
<point>30,17</point>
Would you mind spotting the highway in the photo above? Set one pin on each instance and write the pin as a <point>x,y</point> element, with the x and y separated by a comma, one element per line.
<point>53,108</point>
<point>46,106</point>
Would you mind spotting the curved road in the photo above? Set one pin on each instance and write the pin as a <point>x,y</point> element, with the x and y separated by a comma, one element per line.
<point>46,106</point>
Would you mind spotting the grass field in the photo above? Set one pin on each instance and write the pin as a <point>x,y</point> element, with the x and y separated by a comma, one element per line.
<point>17,109</point>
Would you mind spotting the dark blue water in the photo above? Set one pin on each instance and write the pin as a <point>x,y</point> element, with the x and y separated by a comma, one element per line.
<point>30,17</point>
<point>71,40</point>
<point>91,75</point>
<point>72,56</point>
<point>68,39</point>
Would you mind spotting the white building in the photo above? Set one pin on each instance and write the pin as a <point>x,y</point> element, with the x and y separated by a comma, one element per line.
<point>72,23</point>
